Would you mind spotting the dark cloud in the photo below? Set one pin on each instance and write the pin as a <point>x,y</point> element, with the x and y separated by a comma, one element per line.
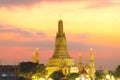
<point>41,34</point>
<point>91,3</point>
<point>12,29</point>
<point>49,45</point>
<point>8,3</point>
<point>44,45</point>
<point>78,46</point>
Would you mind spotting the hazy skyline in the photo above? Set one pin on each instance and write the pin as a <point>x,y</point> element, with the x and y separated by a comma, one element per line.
<point>29,24</point>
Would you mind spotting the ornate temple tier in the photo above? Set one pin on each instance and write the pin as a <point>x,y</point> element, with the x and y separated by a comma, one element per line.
<point>60,61</point>
<point>60,56</point>
<point>60,43</point>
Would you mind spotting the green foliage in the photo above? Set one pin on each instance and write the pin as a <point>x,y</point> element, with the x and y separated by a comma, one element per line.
<point>99,75</point>
<point>57,75</point>
<point>40,70</point>
<point>117,71</point>
<point>27,69</point>
<point>72,76</point>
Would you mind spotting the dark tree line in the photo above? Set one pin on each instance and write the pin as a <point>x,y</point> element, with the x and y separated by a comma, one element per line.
<point>116,73</point>
<point>28,69</point>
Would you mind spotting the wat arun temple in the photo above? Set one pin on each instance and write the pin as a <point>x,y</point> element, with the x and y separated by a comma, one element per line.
<point>61,59</point>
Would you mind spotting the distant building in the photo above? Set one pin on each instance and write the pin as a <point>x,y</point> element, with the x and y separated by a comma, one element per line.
<point>8,72</point>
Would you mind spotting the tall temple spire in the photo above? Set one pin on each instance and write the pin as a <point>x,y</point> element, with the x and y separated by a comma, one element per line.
<point>80,59</point>
<point>36,56</point>
<point>91,58</point>
<point>92,64</point>
<point>60,44</point>
<point>80,65</point>
<point>91,54</point>
<point>60,55</point>
<point>60,26</point>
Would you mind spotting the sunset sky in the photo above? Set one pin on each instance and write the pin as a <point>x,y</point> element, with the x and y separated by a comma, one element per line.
<point>29,24</point>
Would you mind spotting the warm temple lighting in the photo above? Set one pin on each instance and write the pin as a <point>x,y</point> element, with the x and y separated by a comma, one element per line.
<point>108,76</point>
<point>112,77</point>
<point>50,79</point>
<point>77,78</point>
<point>82,78</point>
<point>37,78</point>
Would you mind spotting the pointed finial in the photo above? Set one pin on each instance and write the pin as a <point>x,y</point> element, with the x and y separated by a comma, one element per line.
<point>91,49</point>
<point>60,17</point>
<point>91,54</point>
<point>36,49</point>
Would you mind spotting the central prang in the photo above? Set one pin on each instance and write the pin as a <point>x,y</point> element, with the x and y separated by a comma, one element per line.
<point>60,43</point>
<point>61,57</point>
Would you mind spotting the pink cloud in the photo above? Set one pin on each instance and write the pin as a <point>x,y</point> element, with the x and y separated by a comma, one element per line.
<point>101,3</point>
<point>8,32</point>
<point>13,5</point>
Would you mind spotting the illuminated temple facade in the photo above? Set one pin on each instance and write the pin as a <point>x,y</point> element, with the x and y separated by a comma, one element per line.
<point>61,60</point>
<point>87,71</point>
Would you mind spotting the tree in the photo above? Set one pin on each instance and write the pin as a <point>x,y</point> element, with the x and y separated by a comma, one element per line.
<point>72,76</point>
<point>117,71</point>
<point>40,71</point>
<point>27,69</point>
<point>57,75</point>
<point>99,75</point>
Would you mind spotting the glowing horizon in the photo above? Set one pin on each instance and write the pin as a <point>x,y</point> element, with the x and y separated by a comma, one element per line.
<point>29,24</point>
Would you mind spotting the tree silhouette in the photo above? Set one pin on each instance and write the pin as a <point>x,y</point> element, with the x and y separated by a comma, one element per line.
<point>117,71</point>
<point>40,71</point>
<point>72,76</point>
<point>57,75</point>
<point>28,69</point>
